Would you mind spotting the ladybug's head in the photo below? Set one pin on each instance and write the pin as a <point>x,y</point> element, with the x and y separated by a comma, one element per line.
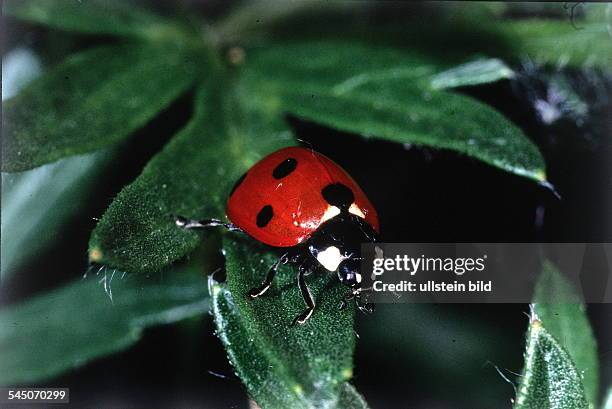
<point>336,246</point>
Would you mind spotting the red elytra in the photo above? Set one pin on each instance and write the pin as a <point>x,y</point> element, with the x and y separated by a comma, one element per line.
<point>279,201</point>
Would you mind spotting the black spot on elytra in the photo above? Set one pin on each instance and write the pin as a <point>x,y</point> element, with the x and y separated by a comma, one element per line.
<point>337,194</point>
<point>264,216</point>
<point>284,168</point>
<point>238,183</point>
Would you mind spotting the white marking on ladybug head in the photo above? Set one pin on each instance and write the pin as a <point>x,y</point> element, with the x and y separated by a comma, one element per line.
<point>330,258</point>
<point>330,212</point>
<point>356,211</point>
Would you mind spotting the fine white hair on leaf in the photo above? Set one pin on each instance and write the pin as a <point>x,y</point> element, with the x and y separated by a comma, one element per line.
<point>505,378</point>
<point>87,271</point>
<point>106,281</point>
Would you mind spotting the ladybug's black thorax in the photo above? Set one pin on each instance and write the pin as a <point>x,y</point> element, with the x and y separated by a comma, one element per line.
<point>346,231</point>
<point>336,245</point>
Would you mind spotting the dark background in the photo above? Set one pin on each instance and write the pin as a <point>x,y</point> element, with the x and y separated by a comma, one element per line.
<point>417,356</point>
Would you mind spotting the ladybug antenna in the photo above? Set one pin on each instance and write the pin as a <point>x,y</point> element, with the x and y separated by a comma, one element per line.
<point>356,294</point>
<point>307,143</point>
<point>364,306</point>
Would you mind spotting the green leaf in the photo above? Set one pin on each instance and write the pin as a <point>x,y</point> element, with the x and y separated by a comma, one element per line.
<point>586,42</point>
<point>92,100</point>
<point>119,18</point>
<point>564,317</point>
<point>72,325</point>
<point>344,65</point>
<point>477,72</point>
<point>575,38</point>
<point>561,369</point>
<point>284,366</point>
<point>550,379</point>
<point>36,203</point>
<point>191,177</point>
<point>344,87</point>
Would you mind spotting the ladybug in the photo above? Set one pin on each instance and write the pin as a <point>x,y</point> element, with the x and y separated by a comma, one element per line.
<point>303,203</point>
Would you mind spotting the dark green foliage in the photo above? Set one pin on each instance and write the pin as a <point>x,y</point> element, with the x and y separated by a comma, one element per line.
<point>92,100</point>
<point>550,379</point>
<point>284,366</point>
<point>561,370</point>
<point>381,93</point>
<point>113,17</point>
<point>402,90</point>
<point>564,317</point>
<point>190,177</point>
<point>560,42</point>
<point>96,316</point>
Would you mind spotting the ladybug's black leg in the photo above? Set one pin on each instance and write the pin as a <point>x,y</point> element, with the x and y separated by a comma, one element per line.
<point>307,296</point>
<point>355,293</point>
<point>347,297</point>
<point>202,224</point>
<point>256,292</point>
<point>366,308</point>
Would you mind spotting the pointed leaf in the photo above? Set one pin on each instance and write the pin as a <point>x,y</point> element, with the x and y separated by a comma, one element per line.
<point>564,317</point>
<point>191,177</point>
<point>93,317</point>
<point>121,18</point>
<point>284,366</point>
<point>92,100</point>
<point>384,94</point>
<point>550,379</point>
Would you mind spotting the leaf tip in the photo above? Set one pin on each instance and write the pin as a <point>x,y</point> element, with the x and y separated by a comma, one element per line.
<point>95,255</point>
<point>347,373</point>
<point>536,324</point>
<point>540,175</point>
<point>297,389</point>
<point>215,290</point>
<point>534,319</point>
